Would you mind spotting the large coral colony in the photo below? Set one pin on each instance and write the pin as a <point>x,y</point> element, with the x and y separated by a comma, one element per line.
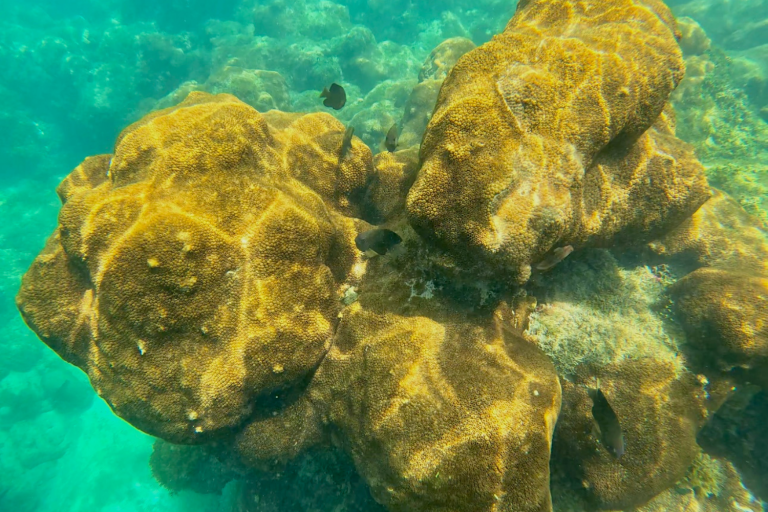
<point>205,275</point>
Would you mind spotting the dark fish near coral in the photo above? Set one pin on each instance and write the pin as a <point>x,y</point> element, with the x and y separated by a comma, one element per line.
<point>380,240</point>
<point>611,435</point>
<point>391,140</point>
<point>335,97</point>
<point>346,142</point>
<point>555,257</point>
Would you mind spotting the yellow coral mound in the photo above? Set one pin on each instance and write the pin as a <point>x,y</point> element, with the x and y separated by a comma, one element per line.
<point>660,411</point>
<point>198,267</point>
<point>442,416</point>
<point>724,305</point>
<point>542,137</point>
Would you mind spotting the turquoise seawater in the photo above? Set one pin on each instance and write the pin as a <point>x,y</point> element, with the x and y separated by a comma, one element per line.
<point>74,73</point>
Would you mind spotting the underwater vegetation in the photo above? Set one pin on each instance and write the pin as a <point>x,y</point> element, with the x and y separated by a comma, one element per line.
<point>528,296</point>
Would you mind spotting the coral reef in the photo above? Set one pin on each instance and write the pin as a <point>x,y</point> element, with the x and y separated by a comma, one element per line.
<point>711,485</point>
<point>174,282</point>
<point>179,467</point>
<point>188,245</point>
<point>716,115</point>
<point>721,304</point>
<point>660,410</point>
<point>438,416</point>
<point>516,163</point>
<point>693,39</point>
<point>732,25</point>
<point>725,316</point>
<point>263,90</point>
<point>593,312</point>
<point>720,234</point>
<point>205,276</point>
<point>421,103</point>
<point>739,432</point>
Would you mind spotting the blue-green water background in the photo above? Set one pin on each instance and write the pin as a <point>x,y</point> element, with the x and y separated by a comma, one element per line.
<point>73,73</point>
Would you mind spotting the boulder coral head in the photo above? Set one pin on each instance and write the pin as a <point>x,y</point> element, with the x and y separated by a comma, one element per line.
<point>448,416</point>
<point>206,278</point>
<point>660,410</point>
<point>195,270</point>
<point>550,135</point>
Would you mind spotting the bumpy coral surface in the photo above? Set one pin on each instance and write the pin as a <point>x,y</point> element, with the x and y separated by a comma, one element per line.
<point>722,304</point>
<point>205,276</point>
<point>725,315</point>
<point>198,267</point>
<point>196,276</point>
<point>421,102</point>
<point>442,416</point>
<point>660,411</point>
<point>719,234</point>
<point>542,136</point>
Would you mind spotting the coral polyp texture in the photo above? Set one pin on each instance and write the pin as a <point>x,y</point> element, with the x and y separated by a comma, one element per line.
<point>660,410</point>
<point>550,134</point>
<point>206,278</point>
<point>442,416</point>
<point>194,270</point>
<point>722,304</point>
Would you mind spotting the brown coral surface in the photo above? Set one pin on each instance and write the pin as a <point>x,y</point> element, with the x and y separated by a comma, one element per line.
<point>660,413</point>
<point>541,136</point>
<point>198,268</point>
<point>725,315</point>
<point>442,416</point>
<point>723,304</point>
<point>206,279</point>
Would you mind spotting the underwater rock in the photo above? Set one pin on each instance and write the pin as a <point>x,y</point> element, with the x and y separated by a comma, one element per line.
<point>739,432</point>
<point>515,162</point>
<point>318,480</point>
<point>421,103</point>
<point>720,234</point>
<point>174,283</point>
<point>263,90</point>
<point>721,303</point>
<point>591,311</point>
<point>693,40</point>
<point>660,410</point>
<point>418,112</point>
<point>441,416</point>
<point>711,485</point>
<point>442,59</point>
<point>182,467</point>
<point>284,428</point>
<point>747,183</point>
<point>394,176</point>
<point>731,25</point>
<point>725,317</point>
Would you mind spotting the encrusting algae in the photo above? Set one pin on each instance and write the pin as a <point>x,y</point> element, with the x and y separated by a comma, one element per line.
<point>209,276</point>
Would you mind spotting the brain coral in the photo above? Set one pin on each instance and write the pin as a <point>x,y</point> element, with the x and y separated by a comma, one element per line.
<point>541,136</point>
<point>197,268</point>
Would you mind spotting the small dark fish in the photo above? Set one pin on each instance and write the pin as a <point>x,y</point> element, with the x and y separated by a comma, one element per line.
<point>611,435</point>
<point>391,140</point>
<point>380,240</point>
<point>555,257</point>
<point>335,97</point>
<point>346,142</point>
